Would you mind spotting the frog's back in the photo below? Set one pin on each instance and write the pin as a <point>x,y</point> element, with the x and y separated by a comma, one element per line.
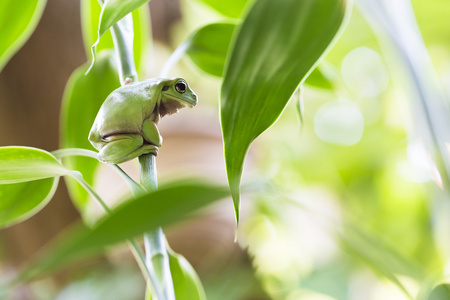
<point>123,111</point>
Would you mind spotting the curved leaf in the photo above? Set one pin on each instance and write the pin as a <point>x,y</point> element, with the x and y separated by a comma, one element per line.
<point>112,12</point>
<point>18,19</point>
<point>277,45</point>
<point>83,96</point>
<point>19,201</point>
<point>90,14</point>
<point>208,47</point>
<point>28,180</point>
<point>230,8</point>
<point>163,207</point>
<point>186,282</point>
<point>22,164</point>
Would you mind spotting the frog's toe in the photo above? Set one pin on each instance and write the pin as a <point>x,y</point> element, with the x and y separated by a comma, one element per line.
<point>149,149</point>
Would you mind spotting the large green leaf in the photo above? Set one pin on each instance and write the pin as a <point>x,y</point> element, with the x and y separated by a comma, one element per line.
<point>82,99</point>
<point>22,164</point>
<point>90,14</point>
<point>277,45</point>
<point>163,207</point>
<point>208,46</point>
<point>18,19</point>
<point>112,12</point>
<point>230,8</point>
<point>19,201</point>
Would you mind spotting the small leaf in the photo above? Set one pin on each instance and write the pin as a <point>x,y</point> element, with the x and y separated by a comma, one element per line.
<point>319,80</point>
<point>83,96</point>
<point>230,8</point>
<point>276,46</point>
<point>163,207</point>
<point>186,283</point>
<point>19,201</point>
<point>112,12</point>
<point>185,280</point>
<point>90,14</point>
<point>18,19</point>
<point>22,164</point>
<point>208,47</point>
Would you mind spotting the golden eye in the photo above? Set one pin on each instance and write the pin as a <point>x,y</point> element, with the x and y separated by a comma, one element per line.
<point>180,86</point>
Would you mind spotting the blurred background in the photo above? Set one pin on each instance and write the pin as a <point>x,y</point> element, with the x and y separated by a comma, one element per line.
<point>352,205</point>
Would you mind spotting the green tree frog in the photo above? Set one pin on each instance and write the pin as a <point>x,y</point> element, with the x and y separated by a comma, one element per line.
<point>125,126</point>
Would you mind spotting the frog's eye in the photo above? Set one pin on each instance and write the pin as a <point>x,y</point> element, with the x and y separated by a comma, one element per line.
<point>180,86</point>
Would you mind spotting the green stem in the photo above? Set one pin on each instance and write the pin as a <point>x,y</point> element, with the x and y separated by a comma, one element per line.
<point>124,50</point>
<point>155,246</point>
<point>155,241</point>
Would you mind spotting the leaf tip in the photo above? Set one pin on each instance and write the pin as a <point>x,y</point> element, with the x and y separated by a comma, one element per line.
<point>94,54</point>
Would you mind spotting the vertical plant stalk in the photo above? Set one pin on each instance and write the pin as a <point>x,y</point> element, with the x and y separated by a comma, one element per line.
<point>157,259</point>
<point>155,241</point>
<point>121,33</point>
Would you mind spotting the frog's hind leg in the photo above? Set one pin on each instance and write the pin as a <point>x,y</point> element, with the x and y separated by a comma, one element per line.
<point>123,147</point>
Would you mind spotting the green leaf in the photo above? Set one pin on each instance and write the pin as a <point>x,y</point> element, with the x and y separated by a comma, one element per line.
<point>277,45</point>
<point>112,12</point>
<point>28,180</point>
<point>208,47</point>
<point>319,80</point>
<point>83,96</point>
<point>440,292</point>
<point>230,8</point>
<point>186,283</point>
<point>18,19</point>
<point>22,164</point>
<point>20,201</point>
<point>90,14</point>
<point>163,207</point>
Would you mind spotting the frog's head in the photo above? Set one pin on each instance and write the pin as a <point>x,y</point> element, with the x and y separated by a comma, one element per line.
<point>176,94</point>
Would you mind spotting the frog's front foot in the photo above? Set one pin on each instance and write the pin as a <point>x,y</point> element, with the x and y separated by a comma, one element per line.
<point>150,149</point>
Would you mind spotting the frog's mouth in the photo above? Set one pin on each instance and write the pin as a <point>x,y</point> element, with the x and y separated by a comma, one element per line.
<point>188,100</point>
<point>172,104</point>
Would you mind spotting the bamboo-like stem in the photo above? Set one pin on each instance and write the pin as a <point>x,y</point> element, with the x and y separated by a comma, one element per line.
<point>155,241</point>
<point>157,260</point>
